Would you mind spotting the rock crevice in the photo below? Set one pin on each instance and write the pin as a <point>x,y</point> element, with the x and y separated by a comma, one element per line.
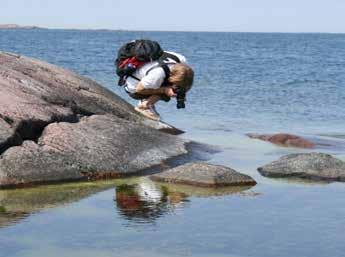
<point>32,129</point>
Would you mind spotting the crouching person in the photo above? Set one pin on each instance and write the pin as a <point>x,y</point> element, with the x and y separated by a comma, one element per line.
<point>154,86</point>
<point>162,79</point>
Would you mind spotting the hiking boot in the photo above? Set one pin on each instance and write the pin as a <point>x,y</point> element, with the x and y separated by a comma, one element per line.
<point>148,113</point>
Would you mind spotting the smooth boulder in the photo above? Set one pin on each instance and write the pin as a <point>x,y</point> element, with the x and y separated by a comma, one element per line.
<point>56,125</point>
<point>203,174</point>
<point>284,139</point>
<point>314,166</point>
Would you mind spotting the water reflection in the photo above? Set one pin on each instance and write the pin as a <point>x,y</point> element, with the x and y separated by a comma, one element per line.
<point>145,201</point>
<point>138,200</point>
<point>18,204</point>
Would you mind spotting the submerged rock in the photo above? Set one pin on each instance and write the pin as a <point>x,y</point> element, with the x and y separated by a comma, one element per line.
<point>203,174</point>
<point>56,125</point>
<point>287,140</point>
<point>315,166</point>
<point>18,204</point>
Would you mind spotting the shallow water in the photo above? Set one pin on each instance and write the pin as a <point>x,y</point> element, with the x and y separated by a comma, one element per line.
<point>244,83</point>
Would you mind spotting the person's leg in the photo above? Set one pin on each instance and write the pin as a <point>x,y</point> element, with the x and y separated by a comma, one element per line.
<point>147,107</point>
<point>142,104</point>
<point>149,102</point>
<point>152,100</point>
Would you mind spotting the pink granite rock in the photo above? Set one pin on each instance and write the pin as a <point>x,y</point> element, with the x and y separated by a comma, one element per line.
<point>56,125</point>
<point>282,139</point>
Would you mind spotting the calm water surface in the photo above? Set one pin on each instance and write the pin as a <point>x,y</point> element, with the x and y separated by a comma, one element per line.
<point>245,82</point>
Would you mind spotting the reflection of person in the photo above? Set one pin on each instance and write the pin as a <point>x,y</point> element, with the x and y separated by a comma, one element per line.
<point>145,200</point>
<point>153,82</point>
<point>127,198</point>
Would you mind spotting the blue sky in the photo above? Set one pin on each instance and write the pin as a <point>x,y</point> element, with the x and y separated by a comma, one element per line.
<point>185,15</point>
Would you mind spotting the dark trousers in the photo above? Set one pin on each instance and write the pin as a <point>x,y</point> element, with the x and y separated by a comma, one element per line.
<point>137,96</point>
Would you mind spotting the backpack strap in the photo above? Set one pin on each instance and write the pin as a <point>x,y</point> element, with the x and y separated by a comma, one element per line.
<point>167,55</point>
<point>134,77</point>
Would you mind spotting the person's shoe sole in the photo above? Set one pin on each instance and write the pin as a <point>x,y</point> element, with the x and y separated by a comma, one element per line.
<point>147,114</point>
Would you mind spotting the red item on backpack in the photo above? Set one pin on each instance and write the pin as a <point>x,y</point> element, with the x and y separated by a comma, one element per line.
<point>132,62</point>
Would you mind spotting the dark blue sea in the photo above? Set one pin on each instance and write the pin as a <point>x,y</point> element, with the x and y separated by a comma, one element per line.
<point>245,82</point>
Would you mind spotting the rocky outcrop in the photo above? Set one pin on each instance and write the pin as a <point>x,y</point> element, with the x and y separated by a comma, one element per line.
<point>56,125</point>
<point>286,140</point>
<point>203,174</point>
<point>314,166</point>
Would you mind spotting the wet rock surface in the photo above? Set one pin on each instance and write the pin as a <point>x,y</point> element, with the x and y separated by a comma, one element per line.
<point>203,174</point>
<point>56,125</point>
<point>282,139</point>
<point>314,166</point>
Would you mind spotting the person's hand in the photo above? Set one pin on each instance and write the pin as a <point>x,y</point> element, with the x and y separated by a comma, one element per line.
<point>169,92</point>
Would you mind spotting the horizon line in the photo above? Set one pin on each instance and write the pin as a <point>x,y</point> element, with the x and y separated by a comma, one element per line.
<point>35,27</point>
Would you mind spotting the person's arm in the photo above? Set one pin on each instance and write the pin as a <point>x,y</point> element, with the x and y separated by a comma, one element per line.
<point>140,89</point>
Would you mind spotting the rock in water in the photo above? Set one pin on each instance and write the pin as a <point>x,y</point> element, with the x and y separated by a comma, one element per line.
<point>203,174</point>
<point>18,204</point>
<point>282,139</point>
<point>56,125</point>
<point>315,166</point>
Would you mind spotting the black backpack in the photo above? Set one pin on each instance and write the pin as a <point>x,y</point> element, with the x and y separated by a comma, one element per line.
<point>135,54</point>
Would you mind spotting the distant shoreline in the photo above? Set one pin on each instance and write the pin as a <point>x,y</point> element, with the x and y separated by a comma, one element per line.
<point>16,26</point>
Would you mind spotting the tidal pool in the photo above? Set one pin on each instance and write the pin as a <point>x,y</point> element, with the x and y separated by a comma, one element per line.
<point>138,217</point>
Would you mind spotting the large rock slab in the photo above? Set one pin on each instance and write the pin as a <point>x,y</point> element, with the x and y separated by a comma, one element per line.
<point>56,125</point>
<point>203,174</point>
<point>34,91</point>
<point>97,146</point>
<point>315,166</point>
<point>284,139</point>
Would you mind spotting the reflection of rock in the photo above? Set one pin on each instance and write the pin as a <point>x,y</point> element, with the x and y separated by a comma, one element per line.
<point>287,140</point>
<point>18,204</point>
<point>315,166</point>
<point>8,218</point>
<point>189,190</point>
<point>56,125</point>
<point>203,174</point>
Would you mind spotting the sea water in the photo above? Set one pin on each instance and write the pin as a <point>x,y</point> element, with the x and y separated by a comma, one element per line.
<point>245,82</point>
